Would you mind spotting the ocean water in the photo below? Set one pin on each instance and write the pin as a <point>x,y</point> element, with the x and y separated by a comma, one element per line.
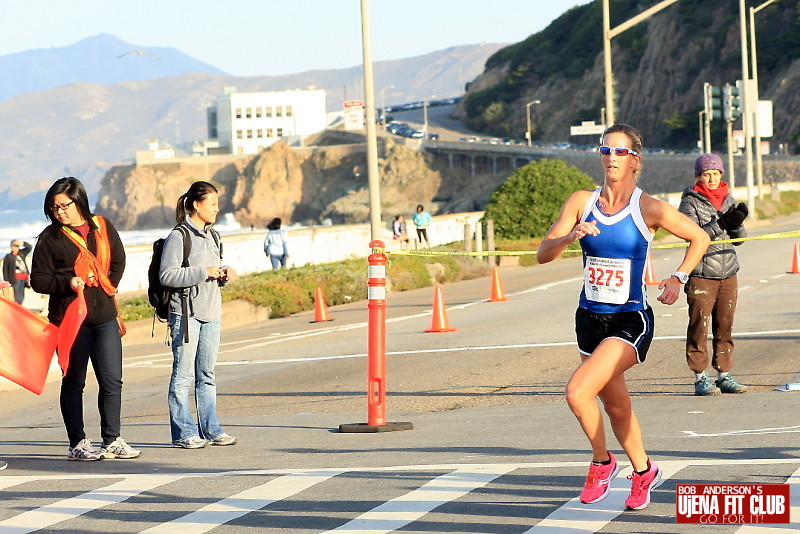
<point>27,224</point>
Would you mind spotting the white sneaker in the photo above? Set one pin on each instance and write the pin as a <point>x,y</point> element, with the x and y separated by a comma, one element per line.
<point>84,452</point>
<point>223,439</point>
<point>191,442</point>
<point>119,449</point>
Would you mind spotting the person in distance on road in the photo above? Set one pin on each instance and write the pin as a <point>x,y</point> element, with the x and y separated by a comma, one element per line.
<point>276,244</point>
<point>194,361</point>
<point>399,231</point>
<point>15,268</point>
<point>422,219</point>
<point>81,250</point>
<point>614,323</point>
<point>712,289</point>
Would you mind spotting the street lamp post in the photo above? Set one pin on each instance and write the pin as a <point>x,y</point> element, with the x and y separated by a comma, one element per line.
<point>528,117</point>
<point>747,109</point>
<point>372,140</point>
<point>756,132</point>
<point>608,34</point>
<point>383,98</point>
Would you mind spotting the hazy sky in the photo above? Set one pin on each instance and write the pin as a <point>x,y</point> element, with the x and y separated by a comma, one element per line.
<point>270,37</point>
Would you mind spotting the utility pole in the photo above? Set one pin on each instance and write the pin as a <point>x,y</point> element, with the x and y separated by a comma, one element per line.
<point>747,111</point>
<point>372,139</point>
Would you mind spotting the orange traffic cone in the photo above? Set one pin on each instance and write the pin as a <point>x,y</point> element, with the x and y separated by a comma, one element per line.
<point>497,294</point>
<point>649,273</point>
<point>439,323</point>
<point>320,309</point>
<point>795,259</point>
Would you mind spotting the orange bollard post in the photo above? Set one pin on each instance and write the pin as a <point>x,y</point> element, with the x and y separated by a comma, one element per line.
<point>795,259</point>
<point>320,309</point>
<point>439,323</point>
<point>649,273</point>
<point>376,358</point>
<point>497,294</point>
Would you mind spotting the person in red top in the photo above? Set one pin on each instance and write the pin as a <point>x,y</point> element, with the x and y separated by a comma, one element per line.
<point>81,250</point>
<point>15,268</point>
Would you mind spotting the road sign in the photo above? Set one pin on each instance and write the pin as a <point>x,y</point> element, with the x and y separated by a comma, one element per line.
<point>353,115</point>
<point>593,129</point>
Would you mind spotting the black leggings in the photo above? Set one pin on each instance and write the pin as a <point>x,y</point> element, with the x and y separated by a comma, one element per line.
<point>422,233</point>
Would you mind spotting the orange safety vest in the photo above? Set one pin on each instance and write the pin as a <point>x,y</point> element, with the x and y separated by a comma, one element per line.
<point>93,269</point>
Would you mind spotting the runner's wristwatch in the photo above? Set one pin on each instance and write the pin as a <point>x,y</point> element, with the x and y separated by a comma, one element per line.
<point>682,277</point>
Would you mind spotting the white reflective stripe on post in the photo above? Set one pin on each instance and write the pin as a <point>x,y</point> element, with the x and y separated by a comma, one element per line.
<point>376,293</point>
<point>376,271</point>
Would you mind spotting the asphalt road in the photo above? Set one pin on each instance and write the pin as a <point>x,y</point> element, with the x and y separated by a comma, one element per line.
<point>494,447</point>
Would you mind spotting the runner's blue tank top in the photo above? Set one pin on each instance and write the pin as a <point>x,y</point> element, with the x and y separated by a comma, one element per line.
<point>614,261</point>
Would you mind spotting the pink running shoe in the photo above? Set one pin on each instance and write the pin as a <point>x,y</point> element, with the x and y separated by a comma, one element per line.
<point>641,486</point>
<point>598,480</point>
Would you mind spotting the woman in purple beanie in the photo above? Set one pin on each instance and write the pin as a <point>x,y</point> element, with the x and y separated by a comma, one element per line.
<point>712,287</point>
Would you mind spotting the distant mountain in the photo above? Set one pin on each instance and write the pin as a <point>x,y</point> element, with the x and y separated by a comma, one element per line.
<point>100,59</point>
<point>82,129</point>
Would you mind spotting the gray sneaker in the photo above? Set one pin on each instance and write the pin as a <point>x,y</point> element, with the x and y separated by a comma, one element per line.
<point>119,449</point>
<point>223,439</point>
<point>728,384</point>
<point>84,452</point>
<point>705,387</point>
<point>190,442</point>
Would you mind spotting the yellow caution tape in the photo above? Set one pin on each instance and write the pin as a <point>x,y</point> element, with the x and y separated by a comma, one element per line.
<point>485,253</point>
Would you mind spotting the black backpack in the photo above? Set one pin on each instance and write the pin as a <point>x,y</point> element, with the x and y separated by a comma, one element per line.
<point>158,294</point>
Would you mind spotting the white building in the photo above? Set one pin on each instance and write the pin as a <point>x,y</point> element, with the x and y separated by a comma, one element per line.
<point>246,123</point>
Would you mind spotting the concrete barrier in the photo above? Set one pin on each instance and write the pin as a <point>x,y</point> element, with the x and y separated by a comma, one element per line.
<point>320,244</point>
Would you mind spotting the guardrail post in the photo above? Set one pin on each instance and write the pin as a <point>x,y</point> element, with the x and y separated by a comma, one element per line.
<point>491,260</point>
<point>376,342</point>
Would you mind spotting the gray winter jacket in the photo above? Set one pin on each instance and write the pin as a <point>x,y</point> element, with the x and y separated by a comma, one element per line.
<point>205,299</point>
<point>719,261</point>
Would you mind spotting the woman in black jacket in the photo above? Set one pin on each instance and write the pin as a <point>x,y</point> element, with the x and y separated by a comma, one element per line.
<point>712,287</point>
<point>80,250</point>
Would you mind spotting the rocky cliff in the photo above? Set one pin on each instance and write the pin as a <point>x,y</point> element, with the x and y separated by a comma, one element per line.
<point>298,185</point>
<point>659,65</point>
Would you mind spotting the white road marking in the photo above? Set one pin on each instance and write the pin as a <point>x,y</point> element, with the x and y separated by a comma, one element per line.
<point>576,517</point>
<point>752,432</point>
<point>407,508</point>
<point>794,511</point>
<point>66,509</point>
<point>230,508</point>
<point>458,480</point>
<point>168,361</point>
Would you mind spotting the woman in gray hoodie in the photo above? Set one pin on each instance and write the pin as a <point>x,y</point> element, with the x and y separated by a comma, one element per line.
<point>200,278</point>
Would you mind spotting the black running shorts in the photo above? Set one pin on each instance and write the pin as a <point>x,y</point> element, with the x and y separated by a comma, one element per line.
<point>634,328</point>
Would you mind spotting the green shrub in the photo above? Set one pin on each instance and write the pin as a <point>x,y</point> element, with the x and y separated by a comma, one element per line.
<point>529,201</point>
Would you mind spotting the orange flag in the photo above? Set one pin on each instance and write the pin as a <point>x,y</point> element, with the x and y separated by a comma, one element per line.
<point>27,343</point>
<point>68,331</point>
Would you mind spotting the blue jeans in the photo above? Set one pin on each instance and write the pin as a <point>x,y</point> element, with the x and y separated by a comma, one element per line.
<point>101,344</point>
<point>193,362</point>
<point>19,290</point>
<point>278,261</point>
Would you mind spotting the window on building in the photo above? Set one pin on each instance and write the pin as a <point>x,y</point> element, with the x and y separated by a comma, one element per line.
<point>248,113</point>
<point>258,113</point>
<point>268,112</point>
<point>259,134</point>
<point>249,134</point>
<point>279,111</point>
<point>238,134</point>
<point>288,111</point>
<point>238,113</point>
<point>279,131</point>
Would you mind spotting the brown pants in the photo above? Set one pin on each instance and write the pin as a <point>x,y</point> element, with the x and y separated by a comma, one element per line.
<point>713,300</point>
